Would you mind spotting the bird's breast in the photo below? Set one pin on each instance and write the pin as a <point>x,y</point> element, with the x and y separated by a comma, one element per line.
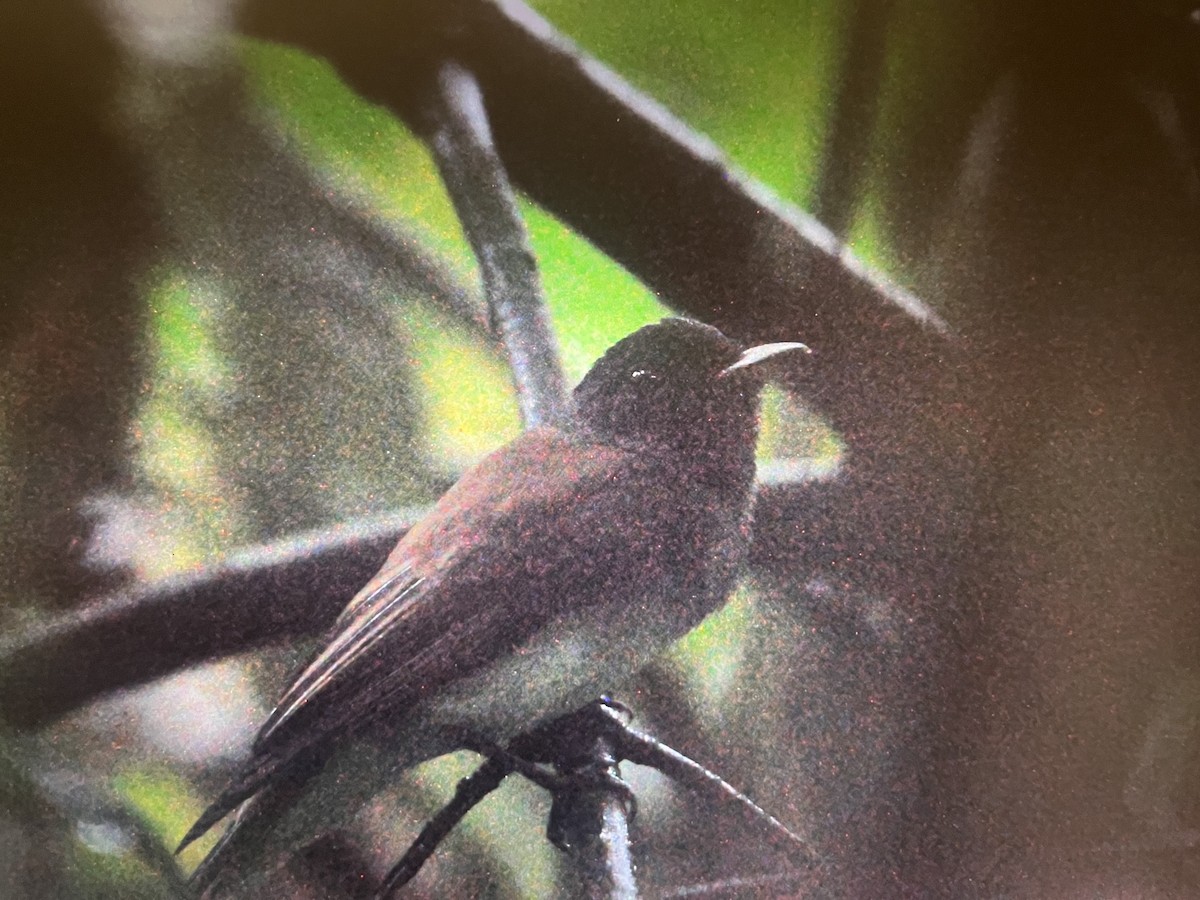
<point>629,573</point>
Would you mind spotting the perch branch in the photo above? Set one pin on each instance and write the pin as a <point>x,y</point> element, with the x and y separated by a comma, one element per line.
<point>591,821</point>
<point>591,804</point>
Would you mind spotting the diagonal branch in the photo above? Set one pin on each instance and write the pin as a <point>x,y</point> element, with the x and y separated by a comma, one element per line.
<point>470,792</point>
<point>461,142</point>
<point>260,595</point>
<point>656,196</point>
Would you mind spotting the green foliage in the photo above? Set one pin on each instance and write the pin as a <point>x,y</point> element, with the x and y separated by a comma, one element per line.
<point>67,836</point>
<point>168,803</point>
<point>175,446</point>
<point>755,76</point>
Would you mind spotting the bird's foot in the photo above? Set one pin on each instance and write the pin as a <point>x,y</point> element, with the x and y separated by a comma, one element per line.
<point>577,798</point>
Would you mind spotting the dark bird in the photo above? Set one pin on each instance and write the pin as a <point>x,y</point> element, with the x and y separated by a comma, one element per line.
<point>549,573</point>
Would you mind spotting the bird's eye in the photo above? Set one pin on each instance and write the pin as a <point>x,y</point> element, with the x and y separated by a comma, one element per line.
<point>642,373</point>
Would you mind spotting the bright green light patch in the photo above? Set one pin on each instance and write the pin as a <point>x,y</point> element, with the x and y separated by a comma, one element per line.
<point>175,452</point>
<point>89,873</point>
<point>789,431</point>
<point>757,78</point>
<point>710,656</point>
<point>168,805</point>
<point>181,315</point>
<point>470,406</point>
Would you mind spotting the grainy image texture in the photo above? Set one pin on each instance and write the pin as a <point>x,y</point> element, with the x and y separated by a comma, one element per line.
<point>253,325</point>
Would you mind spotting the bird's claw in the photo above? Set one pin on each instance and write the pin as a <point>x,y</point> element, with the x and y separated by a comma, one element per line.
<point>585,781</point>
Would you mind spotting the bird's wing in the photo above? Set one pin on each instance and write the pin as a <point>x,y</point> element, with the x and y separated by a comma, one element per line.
<point>511,529</point>
<point>436,610</point>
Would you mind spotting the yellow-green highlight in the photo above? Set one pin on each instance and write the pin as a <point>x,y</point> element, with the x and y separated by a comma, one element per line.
<point>709,657</point>
<point>176,452</point>
<point>169,805</point>
<point>469,404</point>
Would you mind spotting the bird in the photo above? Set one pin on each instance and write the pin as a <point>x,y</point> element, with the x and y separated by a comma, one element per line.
<point>557,567</point>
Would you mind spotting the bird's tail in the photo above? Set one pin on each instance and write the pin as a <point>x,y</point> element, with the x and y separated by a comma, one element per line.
<point>261,794</point>
<point>284,804</point>
<point>257,813</point>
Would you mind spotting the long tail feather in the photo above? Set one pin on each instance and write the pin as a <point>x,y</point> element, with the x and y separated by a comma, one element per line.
<point>255,817</point>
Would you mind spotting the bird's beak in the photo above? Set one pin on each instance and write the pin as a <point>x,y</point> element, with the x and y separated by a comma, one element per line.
<point>763,352</point>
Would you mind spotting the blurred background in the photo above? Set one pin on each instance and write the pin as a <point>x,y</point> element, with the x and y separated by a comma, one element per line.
<point>236,307</point>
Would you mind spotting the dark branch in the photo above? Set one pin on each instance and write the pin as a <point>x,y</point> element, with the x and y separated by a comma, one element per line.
<point>592,806</point>
<point>461,141</point>
<point>254,597</point>
<point>257,596</point>
<point>470,792</point>
<point>657,197</point>
<point>595,827</point>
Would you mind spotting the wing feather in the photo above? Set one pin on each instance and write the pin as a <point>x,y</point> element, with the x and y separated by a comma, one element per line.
<point>433,612</point>
<point>379,612</point>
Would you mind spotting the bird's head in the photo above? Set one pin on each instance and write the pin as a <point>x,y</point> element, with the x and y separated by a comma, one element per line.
<point>678,384</point>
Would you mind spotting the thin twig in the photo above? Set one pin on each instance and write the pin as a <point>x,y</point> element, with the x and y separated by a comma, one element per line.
<point>461,142</point>
<point>592,806</point>
<point>641,748</point>
<point>470,792</point>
